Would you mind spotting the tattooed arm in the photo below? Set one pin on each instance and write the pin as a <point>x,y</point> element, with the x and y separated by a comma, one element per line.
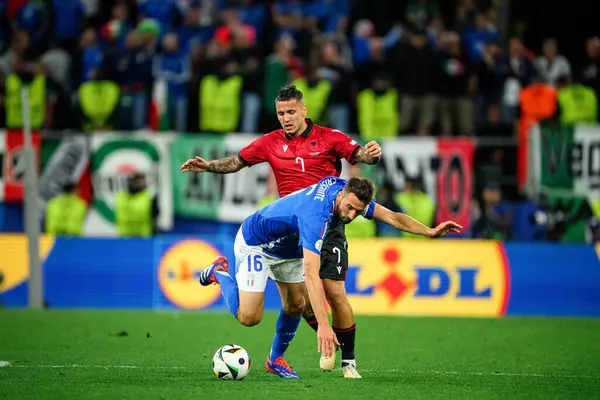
<point>226,165</point>
<point>370,154</point>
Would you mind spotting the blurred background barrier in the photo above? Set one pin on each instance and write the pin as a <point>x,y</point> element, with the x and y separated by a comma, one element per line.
<point>386,276</point>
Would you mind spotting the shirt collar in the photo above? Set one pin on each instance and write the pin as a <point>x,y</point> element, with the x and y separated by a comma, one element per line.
<point>309,128</point>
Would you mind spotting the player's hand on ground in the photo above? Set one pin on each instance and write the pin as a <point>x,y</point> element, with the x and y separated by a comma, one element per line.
<point>445,228</point>
<point>373,148</point>
<point>326,340</point>
<point>197,164</point>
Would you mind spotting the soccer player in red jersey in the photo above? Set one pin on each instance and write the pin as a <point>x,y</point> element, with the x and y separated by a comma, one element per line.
<point>300,155</point>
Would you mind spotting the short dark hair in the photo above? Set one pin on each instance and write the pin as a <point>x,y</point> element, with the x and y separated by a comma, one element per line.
<point>289,92</point>
<point>362,188</point>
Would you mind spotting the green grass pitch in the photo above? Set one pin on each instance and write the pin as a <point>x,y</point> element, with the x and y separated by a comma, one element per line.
<point>79,355</point>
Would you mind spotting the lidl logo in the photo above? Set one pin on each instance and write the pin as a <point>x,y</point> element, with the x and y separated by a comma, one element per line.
<point>426,277</point>
<point>178,273</point>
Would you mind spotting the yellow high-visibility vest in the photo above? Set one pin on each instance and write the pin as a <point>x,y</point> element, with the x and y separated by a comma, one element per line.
<point>220,104</point>
<point>37,101</point>
<point>378,114</point>
<point>133,213</point>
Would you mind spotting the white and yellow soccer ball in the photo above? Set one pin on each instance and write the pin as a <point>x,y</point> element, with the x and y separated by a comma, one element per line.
<point>231,362</point>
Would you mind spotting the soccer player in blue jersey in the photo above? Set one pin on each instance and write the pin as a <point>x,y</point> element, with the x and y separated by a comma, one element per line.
<point>283,241</point>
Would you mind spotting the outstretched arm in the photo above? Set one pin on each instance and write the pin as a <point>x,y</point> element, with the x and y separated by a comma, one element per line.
<point>314,286</point>
<point>225,165</point>
<point>405,223</point>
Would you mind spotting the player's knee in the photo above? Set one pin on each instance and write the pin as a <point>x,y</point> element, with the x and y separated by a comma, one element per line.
<point>308,312</point>
<point>294,308</point>
<point>336,294</point>
<point>249,319</point>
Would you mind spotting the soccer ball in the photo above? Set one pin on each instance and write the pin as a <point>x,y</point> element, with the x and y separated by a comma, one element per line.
<point>231,362</point>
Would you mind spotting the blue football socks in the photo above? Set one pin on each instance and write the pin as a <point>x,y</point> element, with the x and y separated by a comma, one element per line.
<point>284,333</point>
<point>229,290</point>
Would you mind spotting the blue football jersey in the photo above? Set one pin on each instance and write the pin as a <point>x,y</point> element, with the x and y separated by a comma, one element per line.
<point>299,220</point>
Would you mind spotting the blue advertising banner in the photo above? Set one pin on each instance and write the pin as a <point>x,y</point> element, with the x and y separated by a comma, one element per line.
<point>386,277</point>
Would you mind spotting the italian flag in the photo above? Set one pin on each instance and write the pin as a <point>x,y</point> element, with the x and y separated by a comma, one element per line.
<point>159,115</point>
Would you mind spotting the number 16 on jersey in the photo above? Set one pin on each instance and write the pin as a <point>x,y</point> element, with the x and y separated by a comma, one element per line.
<point>255,263</point>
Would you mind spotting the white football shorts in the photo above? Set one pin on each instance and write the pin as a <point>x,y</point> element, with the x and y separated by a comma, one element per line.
<point>253,267</point>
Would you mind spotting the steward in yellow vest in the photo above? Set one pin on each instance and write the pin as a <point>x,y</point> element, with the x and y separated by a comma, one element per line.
<point>316,96</point>
<point>577,103</point>
<point>378,111</point>
<point>65,213</point>
<point>220,103</point>
<point>360,228</point>
<point>135,209</point>
<point>98,100</point>
<point>414,202</point>
<point>37,101</point>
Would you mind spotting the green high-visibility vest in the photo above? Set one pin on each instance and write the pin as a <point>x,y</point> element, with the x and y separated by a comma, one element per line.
<point>98,101</point>
<point>37,101</point>
<point>361,228</point>
<point>133,213</point>
<point>65,215</point>
<point>378,114</point>
<point>418,206</point>
<point>220,104</point>
<point>315,97</point>
<point>578,105</point>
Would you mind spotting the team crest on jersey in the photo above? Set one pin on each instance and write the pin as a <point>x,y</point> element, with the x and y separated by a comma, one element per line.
<point>313,145</point>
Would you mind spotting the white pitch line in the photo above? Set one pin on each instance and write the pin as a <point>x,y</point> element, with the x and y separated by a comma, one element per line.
<point>7,364</point>
<point>486,373</point>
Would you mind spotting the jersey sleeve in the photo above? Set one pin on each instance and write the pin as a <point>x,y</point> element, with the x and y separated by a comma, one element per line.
<point>370,210</point>
<point>256,152</point>
<point>344,145</point>
<point>312,231</point>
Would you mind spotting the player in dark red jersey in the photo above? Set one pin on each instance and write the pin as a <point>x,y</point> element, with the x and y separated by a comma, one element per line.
<point>300,155</point>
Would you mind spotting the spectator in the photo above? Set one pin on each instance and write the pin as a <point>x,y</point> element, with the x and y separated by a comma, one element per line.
<point>492,72</point>
<point>87,58</point>
<point>521,73</point>
<point>247,56</point>
<point>68,19</point>
<point>136,209</point>
<point>232,25</point>
<point>378,110</point>
<point>577,104</point>
<point>281,67</point>
<point>98,102</point>
<point>416,203</point>
<point>492,215</point>
<point>417,71</point>
<point>255,15</point>
<point>19,44</point>
<point>551,64</point>
<point>420,12</point>
<point>590,72</point>
<point>457,84</point>
<point>65,213</point>
<point>165,12</point>
<point>464,17</point>
<point>173,67</point>
<point>335,71</point>
<point>193,35</point>
<point>33,18</point>
<point>476,38</point>
<point>133,74</point>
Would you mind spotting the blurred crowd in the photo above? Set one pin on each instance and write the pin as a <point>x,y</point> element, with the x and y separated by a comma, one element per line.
<point>188,65</point>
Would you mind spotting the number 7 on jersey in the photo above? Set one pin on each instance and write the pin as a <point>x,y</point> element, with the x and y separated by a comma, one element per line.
<point>300,160</point>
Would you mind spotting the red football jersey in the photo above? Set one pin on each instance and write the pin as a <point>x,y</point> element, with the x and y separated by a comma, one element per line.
<point>304,160</point>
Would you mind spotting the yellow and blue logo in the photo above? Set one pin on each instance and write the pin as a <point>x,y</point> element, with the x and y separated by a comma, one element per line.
<point>426,277</point>
<point>179,270</point>
<point>14,262</point>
